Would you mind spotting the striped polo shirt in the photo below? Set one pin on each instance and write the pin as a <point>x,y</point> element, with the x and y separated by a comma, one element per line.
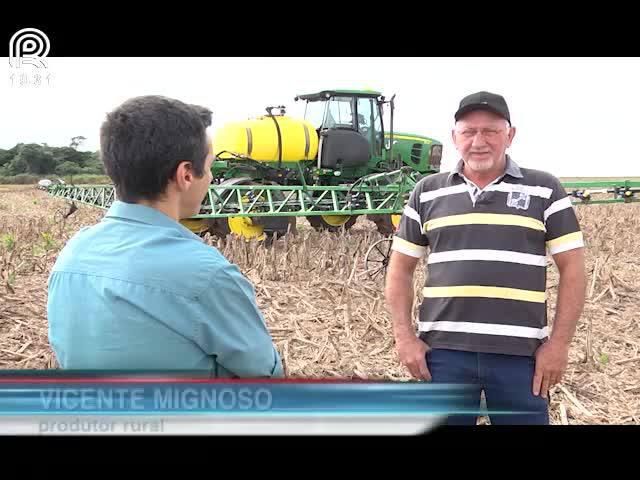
<point>487,266</point>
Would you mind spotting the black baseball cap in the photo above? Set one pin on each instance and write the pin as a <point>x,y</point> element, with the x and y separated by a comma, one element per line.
<point>484,101</point>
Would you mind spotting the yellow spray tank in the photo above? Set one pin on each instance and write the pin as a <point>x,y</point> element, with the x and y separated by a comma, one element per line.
<point>258,139</point>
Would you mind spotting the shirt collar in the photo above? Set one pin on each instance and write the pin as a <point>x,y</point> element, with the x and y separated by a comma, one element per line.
<point>511,169</point>
<point>147,215</point>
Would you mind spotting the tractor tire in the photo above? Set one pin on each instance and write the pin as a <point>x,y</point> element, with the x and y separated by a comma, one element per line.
<point>221,227</point>
<point>332,223</point>
<point>386,224</point>
<point>260,228</point>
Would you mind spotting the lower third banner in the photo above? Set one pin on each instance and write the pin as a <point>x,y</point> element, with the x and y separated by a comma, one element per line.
<point>133,404</point>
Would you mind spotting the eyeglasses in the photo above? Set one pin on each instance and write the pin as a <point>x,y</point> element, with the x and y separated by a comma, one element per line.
<point>469,133</point>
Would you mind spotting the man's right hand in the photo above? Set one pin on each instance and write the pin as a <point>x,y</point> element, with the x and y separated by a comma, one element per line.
<point>412,352</point>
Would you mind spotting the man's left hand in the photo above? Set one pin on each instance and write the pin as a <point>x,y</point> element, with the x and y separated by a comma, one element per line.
<point>551,362</point>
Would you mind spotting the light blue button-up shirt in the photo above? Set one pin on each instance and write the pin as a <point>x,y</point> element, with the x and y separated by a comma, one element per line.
<point>140,291</point>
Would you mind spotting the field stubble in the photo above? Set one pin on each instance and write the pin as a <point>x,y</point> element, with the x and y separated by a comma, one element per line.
<point>329,319</point>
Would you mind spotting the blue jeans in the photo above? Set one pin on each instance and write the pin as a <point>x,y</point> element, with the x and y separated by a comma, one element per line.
<point>507,381</point>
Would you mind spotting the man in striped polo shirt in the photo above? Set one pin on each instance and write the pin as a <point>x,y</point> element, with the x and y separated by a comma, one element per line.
<point>487,227</point>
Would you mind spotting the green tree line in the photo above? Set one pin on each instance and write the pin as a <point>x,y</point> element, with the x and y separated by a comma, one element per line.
<point>42,159</point>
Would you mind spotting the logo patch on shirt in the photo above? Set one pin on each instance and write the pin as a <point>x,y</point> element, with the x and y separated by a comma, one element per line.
<point>519,200</point>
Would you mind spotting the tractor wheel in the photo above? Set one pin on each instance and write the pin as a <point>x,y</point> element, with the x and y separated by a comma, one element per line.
<point>249,228</point>
<point>376,260</point>
<point>253,228</point>
<point>386,224</point>
<point>332,223</point>
<point>244,227</point>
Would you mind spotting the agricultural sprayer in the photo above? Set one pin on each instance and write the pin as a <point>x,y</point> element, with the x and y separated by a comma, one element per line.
<point>338,162</point>
<point>335,164</point>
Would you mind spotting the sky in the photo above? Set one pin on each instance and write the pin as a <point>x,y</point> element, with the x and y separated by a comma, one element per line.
<point>573,116</point>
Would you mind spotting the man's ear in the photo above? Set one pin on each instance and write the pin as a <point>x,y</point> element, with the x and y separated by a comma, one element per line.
<point>184,175</point>
<point>512,133</point>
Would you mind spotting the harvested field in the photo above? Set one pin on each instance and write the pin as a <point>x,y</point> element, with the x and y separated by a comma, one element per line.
<point>328,319</point>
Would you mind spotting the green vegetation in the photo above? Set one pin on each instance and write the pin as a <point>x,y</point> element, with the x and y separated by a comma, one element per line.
<point>27,163</point>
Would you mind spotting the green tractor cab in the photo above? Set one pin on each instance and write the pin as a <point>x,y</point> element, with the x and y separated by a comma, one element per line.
<point>344,113</point>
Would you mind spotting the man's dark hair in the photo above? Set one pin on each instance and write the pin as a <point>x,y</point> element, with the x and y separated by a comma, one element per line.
<point>144,139</point>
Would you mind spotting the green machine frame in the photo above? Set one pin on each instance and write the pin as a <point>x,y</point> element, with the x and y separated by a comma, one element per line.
<point>382,193</point>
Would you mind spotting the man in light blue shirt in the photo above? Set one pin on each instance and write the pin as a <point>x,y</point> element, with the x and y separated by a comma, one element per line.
<point>140,291</point>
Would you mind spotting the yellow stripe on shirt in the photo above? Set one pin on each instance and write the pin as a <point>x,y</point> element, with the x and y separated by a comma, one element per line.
<point>403,246</point>
<point>485,292</point>
<point>486,219</point>
<point>569,237</point>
